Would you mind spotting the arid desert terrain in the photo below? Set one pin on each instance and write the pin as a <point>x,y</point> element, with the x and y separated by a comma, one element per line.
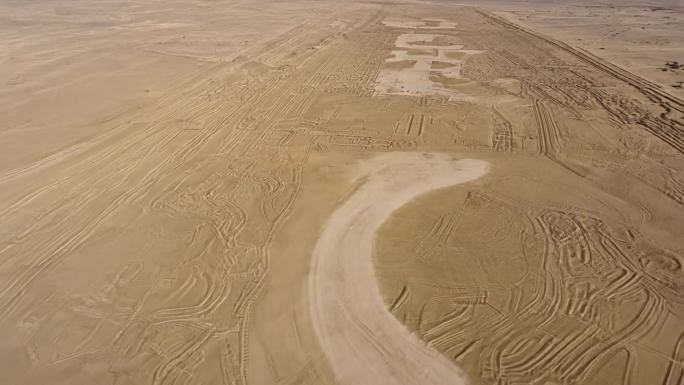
<point>353,193</point>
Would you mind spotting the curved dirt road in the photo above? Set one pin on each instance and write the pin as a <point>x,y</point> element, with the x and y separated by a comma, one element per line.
<point>362,341</point>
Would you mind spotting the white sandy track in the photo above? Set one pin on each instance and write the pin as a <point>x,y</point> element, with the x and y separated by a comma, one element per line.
<point>363,342</point>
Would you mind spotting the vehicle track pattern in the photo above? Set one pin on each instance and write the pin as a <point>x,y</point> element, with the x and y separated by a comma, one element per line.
<point>222,190</point>
<point>143,254</point>
<point>667,127</point>
<point>557,321</point>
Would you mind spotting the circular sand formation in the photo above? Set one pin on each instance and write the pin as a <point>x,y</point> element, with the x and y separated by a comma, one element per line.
<point>362,341</point>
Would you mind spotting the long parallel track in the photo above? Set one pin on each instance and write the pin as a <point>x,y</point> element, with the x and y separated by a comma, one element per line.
<point>669,129</point>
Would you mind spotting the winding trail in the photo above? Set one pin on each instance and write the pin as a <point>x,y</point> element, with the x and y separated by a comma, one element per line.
<point>363,342</point>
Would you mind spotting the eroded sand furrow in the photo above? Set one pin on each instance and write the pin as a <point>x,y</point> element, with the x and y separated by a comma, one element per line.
<point>362,341</point>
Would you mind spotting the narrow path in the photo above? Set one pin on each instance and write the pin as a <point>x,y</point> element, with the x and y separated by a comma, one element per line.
<point>363,342</point>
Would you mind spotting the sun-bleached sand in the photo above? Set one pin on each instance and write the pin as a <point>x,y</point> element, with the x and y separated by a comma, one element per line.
<point>363,342</point>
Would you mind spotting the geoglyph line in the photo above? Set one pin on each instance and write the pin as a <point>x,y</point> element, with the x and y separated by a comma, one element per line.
<point>360,338</point>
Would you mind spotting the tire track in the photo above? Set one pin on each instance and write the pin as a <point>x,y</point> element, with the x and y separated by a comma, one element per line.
<point>666,127</point>
<point>549,139</point>
<point>502,133</point>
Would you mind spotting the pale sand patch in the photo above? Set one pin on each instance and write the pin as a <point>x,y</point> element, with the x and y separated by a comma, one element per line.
<point>415,80</point>
<point>362,341</point>
<point>420,24</point>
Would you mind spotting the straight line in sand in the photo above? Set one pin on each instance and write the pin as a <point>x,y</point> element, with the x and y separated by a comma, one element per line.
<point>363,342</point>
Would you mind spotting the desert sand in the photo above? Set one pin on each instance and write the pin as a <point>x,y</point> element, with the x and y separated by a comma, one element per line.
<point>363,343</point>
<point>641,36</point>
<point>297,192</point>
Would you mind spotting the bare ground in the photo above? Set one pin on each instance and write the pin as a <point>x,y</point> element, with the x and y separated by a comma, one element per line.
<point>179,180</point>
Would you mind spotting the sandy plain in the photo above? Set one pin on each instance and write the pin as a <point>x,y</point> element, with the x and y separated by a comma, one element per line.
<point>641,36</point>
<point>323,193</point>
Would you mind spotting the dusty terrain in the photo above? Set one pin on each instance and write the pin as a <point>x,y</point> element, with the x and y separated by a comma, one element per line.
<point>640,36</point>
<point>325,193</point>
